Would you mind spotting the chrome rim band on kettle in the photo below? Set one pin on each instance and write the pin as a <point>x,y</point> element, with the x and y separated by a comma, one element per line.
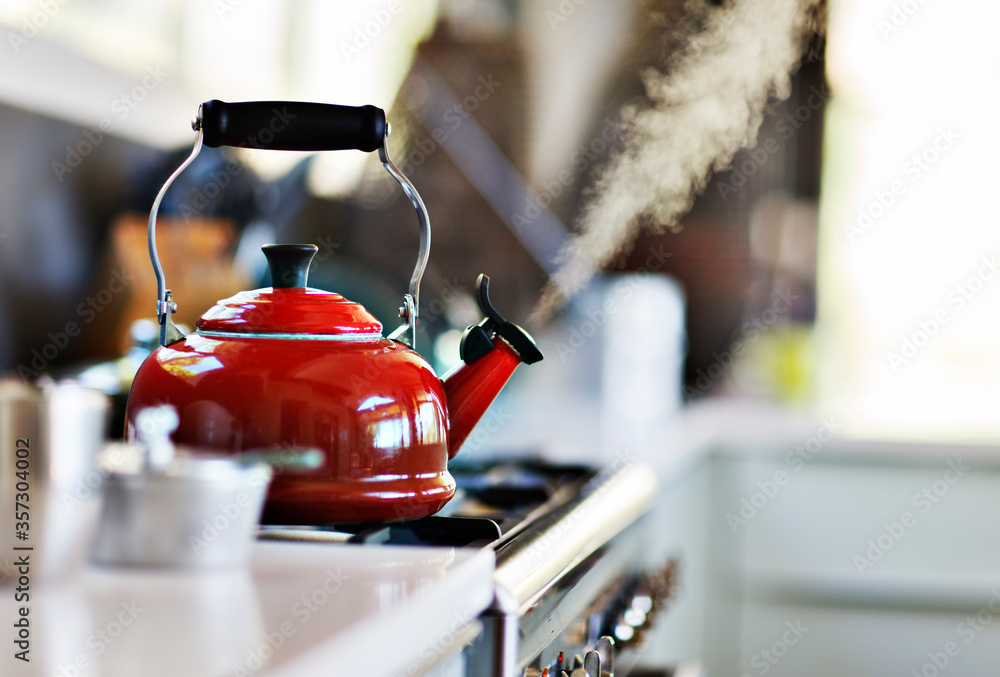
<point>300,126</point>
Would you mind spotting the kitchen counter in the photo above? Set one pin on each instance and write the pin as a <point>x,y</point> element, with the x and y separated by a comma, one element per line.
<point>299,609</point>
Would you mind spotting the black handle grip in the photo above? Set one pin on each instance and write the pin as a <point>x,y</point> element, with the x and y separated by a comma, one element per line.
<point>292,125</point>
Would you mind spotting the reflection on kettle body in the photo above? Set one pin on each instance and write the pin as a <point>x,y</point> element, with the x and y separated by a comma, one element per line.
<point>209,424</point>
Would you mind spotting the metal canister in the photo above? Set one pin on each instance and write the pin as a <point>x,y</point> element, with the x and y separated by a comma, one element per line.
<point>50,436</point>
<point>170,507</point>
<point>196,514</point>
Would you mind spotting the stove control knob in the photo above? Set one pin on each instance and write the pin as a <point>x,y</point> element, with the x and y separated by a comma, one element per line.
<point>605,648</point>
<point>638,607</point>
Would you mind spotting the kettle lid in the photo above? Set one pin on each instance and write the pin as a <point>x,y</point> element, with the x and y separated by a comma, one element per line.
<point>290,307</point>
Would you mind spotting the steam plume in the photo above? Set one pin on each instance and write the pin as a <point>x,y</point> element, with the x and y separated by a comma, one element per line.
<point>708,107</point>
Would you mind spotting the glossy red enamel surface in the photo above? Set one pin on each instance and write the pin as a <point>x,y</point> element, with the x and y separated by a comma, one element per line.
<point>472,387</point>
<point>297,310</point>
<point>375,407</point>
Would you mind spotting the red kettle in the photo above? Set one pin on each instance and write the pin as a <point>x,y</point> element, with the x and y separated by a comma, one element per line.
<point>290,365</point>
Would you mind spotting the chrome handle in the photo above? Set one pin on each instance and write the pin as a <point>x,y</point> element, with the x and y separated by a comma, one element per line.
<point>405,333</point>
<point>165,306</point>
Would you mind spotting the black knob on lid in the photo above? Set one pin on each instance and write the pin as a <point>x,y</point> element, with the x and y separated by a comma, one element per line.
<point>289,263</point>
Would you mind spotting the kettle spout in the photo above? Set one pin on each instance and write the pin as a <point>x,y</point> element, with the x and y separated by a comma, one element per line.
<point>491,351</point>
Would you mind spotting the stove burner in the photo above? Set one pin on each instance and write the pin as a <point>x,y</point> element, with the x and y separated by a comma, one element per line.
<point>474,532</point>
<point>433,530</point>
<point>493,502</point>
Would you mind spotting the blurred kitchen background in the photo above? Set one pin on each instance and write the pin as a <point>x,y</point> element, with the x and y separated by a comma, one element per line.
<point>843,262</point>
<point>840,267</point>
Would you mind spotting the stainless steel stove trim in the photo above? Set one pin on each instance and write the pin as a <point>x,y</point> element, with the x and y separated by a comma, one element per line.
<point>531,564</point>
<point>550,617</point>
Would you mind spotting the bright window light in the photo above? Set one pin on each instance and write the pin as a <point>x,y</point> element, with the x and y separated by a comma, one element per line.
<point>909,289</point>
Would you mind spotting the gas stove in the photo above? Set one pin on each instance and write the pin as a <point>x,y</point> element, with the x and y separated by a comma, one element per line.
<point>492,504</point>
<point>572,593</point>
